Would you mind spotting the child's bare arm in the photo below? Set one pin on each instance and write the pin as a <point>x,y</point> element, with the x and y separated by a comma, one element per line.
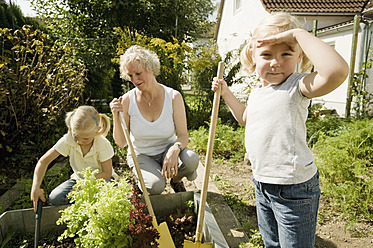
<point>330,68</point>
<point>39,173</point>
<point>236,107</point>
<point>107,170</point>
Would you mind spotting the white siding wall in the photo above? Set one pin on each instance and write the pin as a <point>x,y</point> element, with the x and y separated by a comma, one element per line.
<point>236,27</point>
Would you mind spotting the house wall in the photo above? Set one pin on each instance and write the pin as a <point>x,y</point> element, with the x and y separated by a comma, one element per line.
<point>236,27</point>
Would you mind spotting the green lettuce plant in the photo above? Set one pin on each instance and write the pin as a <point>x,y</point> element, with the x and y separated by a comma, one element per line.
<point>99,215</point>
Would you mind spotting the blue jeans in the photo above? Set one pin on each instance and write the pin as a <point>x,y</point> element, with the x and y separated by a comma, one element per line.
<point>58,195</point>
<point>287,214</point>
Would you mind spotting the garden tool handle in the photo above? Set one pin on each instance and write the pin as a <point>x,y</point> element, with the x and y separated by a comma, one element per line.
<point>210,146</point>
<point>39,209</point>
<point>137,166</point>
<point>38,215</point>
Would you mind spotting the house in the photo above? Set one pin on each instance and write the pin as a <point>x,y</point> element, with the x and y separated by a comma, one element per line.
<point>333,21</point>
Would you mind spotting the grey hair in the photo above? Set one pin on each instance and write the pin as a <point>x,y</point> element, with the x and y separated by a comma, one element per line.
<point>147,59</point>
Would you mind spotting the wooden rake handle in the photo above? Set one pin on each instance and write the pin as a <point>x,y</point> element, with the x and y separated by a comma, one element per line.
<point>210,146</point>
<point>137,166</point>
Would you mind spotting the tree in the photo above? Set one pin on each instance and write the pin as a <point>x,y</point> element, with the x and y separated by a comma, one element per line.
<point>172,55</point>
<point>12,17</point>
<point>40,79</point>
<point>89,25</point>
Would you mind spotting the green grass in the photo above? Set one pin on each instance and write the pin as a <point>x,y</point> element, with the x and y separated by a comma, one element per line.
<point>346,170</point>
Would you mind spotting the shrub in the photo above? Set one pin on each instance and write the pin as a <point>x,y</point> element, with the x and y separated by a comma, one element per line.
<point>171,55</point>
<point>40,79</point>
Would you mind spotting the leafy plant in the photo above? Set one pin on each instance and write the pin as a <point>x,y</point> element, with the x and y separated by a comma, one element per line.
<point>40,79</point>
<point>101,215</point>
<point>328,125</point>
<point>141,229</point>
<point>345,164</point>
<point>228,143</point>
<point>362,98</point>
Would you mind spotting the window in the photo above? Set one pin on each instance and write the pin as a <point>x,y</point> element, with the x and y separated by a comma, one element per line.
<point>237,6</point>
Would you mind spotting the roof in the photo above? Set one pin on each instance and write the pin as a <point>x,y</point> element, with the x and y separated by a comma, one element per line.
<point>317,6</point>
<point>312,7</point>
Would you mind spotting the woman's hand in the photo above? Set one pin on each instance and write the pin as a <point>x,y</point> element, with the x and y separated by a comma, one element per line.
<point>116,105</point>
<point>170,162</point>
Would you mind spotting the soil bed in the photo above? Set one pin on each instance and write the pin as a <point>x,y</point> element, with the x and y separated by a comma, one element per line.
<point>182,226</point>
<point>46,240</point>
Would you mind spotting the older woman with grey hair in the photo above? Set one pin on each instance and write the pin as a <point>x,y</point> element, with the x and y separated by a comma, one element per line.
<point>156,119</point>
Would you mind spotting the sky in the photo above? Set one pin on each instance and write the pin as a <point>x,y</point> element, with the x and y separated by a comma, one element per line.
<point>25,6</point>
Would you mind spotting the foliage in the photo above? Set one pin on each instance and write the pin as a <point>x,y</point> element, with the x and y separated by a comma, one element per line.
<point>203,65</point>
<point>40,79</point>
<point>23,196</point>
<point>89,26</point>
<point>11,17</point>
<point>172,55</point>
<point>86,26</point>
<point>228,143</point>
<point>362,98</point>
<point>345,164</point>
<point>234,201</point>
<point>99,213</point>
<point>256,239</point>
<point>182,19</point>
<point>141,230</point>
<point>328,125</point>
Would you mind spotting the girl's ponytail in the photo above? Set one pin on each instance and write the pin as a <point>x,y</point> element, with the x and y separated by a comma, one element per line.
<point>104,121</point>
<point>68,118</point>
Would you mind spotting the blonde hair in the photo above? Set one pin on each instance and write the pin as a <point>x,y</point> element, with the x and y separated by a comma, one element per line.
<point>271,25</point>
<point>146,58</point>
<point>87,119</point>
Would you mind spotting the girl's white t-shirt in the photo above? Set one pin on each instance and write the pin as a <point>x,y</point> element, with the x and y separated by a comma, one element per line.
<point>152,138</point>
<point>100,151</point>
<point>275,133</point>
